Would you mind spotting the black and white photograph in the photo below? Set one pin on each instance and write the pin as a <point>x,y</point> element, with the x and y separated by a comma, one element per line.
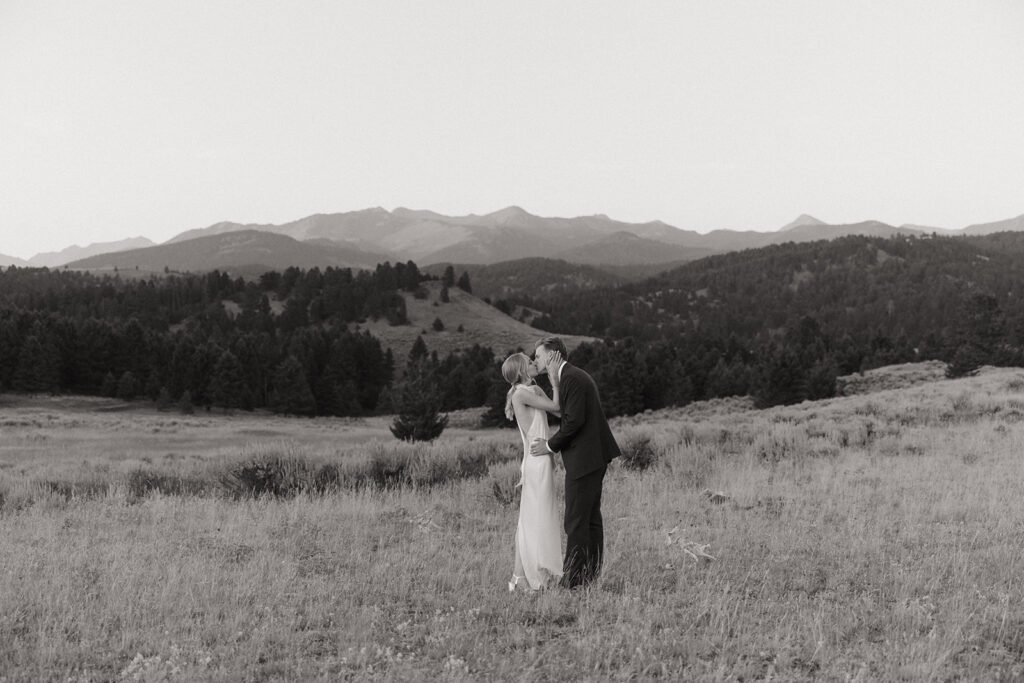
<point>470,340</point>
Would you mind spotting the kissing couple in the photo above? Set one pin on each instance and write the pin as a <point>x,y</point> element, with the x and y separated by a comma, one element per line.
<point>586,445</point>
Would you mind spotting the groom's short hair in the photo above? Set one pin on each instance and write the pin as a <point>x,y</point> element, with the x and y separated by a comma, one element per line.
<point>553,344</point>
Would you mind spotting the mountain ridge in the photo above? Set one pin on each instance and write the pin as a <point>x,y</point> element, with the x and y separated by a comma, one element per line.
<point>6,260</point>
<point>511,233</point>
<point>52,259</point>
<point>239,251</point>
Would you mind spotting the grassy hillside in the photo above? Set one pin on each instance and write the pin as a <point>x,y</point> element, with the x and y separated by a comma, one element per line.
<point>481,324</point>
<point>869,537</point>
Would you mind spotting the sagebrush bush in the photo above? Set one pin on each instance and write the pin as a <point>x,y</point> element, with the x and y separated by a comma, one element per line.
<point>472,465</point>
<point>277,476</point>
<point>86,489</point>
<point>328,479</point>
<point>779,442</point>
<point>638,453</point>
<point>140,483</point>
<point>502,485</point>
<point>283,471</point>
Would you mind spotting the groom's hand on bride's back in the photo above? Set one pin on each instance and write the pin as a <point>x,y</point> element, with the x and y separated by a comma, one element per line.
<point>539,447</point>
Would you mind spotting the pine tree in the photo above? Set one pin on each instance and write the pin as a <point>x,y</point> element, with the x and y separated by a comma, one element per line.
<point>448,279</point>
<point>109,387</point>
<point>463,283</point>
<point>38,367</point>
<point>418,350</point>
<point>185,403</point>
<point>227,385</point>
<point>495,416</point>
<point>418,407</point>
<point>127,387</point>
<point>10,343</point>
<point>781,380</point>
<point>291,392</point>
<point>153,386</point>
<point>438,325</point>
<point>980,329</point>
<point>163,399</point>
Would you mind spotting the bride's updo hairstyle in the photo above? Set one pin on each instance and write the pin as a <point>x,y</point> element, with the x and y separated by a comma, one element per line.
<point>514,372</point>
<point>514,368</point>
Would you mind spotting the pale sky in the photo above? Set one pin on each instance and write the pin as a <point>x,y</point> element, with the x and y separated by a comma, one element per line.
<point>141,117</point>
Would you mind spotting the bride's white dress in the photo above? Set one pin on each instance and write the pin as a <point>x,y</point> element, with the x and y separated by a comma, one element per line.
<point>538,559</point>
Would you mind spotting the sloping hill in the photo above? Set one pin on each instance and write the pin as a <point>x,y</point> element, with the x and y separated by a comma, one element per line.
<point>245,251</point>
<point>891,377</point>
<point>530,276</point>
<point>810,232</point>
<point>509,244</point>
<point>6,260</point>
<point>625,248</point>
<point>51,259</point>
<point>481,324</point>
<point>1011,224</point>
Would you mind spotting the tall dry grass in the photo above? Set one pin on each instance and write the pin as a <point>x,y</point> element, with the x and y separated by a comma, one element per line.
<point>872,537</point>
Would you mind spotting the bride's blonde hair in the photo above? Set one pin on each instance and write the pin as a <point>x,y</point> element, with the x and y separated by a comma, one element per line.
<point>514,372</point>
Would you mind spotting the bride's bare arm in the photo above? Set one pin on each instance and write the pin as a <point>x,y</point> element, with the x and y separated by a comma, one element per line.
<point>536,398</point>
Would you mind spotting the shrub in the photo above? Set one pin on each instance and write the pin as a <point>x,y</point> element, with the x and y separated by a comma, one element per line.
<point>277,476</point>
<point>386,469</point>
<point>638,453</point>
<point>95,488</point>
<point>140,483</point>
<point>777,443</point>
<point>328,479</point>
<point>504,486</point>
<point>471,465</point>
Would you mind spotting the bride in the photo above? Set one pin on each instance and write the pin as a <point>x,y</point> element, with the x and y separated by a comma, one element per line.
<point>538,559</point>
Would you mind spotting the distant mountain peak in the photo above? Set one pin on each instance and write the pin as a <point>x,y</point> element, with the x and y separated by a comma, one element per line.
<point>800,221</point>
<point>510,213</point>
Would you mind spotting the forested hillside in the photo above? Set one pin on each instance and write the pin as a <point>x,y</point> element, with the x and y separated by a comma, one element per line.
<point>550,276</point>
<point>778,323</point>
<point>282,342</point>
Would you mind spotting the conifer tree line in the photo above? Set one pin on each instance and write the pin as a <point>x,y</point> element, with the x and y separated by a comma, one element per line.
<point>778,323</point>
<point>781,322</point>
<point>174,339</point>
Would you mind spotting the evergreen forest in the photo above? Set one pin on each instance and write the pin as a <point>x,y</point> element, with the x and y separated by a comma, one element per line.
<point>779,323</point>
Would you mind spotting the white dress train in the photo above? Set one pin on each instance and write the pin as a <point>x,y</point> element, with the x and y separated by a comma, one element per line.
<point>538,558</point>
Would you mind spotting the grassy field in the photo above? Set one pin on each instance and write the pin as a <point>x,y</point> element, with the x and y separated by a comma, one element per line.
<point>870,537</point>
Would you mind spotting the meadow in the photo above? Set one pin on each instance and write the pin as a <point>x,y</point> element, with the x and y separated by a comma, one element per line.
<point>869,537</point>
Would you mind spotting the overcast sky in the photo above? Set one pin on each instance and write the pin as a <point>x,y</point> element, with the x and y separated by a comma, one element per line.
<point>129,118</point>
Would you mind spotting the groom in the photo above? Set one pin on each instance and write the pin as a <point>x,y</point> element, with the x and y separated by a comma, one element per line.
<point>587,446</point>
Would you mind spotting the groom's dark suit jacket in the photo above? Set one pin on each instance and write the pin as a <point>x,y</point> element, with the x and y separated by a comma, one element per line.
<point>584,438</point>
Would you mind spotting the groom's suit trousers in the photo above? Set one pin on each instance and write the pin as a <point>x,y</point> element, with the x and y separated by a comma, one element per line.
<point>584,529</point>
